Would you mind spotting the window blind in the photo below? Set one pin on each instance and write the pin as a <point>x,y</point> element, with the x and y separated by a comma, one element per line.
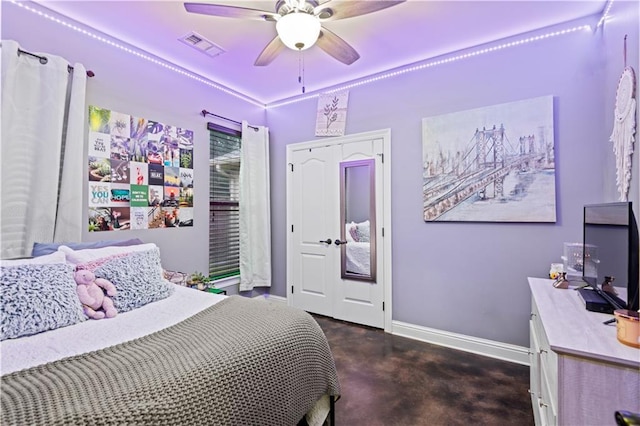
<point>224,202</point>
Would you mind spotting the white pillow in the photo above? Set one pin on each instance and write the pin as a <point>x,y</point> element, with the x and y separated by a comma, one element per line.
<point>364,231</point>
<point>49,259</point>
<point>77,257</point>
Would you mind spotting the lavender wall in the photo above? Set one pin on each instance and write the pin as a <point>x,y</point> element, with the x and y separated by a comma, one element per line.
<point>624,21</point>
<point>467,278</point>
<point>470,278</point>
<point>131,85</point>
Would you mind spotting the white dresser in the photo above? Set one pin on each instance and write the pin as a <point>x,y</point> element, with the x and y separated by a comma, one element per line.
<point>580,373</point>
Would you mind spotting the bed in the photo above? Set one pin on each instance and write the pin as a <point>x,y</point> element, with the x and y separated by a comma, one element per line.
<point>189,358</point>
<point>358,258</point>
<point>358,248</point>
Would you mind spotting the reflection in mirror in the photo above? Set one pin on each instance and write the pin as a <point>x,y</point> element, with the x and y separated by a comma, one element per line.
<point>358,216</point>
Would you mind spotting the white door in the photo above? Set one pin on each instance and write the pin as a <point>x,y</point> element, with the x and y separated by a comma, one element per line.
<point>313,201</point>
<point>313,262</point>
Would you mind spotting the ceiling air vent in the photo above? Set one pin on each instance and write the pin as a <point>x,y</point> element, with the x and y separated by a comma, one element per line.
<point>200,43</point>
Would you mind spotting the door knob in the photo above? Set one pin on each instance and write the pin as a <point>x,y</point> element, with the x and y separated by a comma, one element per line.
<point>327,241</point>
<point>338,242</point>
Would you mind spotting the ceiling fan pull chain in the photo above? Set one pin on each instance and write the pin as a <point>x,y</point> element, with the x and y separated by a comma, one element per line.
<point>301,69</point>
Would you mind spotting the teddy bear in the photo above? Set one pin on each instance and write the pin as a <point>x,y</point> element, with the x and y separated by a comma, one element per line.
<point>97,304</point>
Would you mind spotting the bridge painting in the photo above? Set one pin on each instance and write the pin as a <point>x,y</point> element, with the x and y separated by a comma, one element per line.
<point>492,164</point>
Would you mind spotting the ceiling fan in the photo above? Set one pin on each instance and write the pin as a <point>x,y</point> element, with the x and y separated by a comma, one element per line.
<point>299,24</point>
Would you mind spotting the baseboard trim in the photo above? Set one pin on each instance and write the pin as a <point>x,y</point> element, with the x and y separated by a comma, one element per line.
<point>489,348</point>
<point>485,347</point>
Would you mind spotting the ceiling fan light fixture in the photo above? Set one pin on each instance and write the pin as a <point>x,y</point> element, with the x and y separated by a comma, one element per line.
<point>298,30</point>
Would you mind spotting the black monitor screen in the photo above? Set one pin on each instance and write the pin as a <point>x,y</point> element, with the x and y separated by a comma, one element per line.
<point>611,246</point>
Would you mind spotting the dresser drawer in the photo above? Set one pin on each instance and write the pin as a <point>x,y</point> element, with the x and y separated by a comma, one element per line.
<point>549,372</point>
<point>534,362</point>
<point>534,374</point>
<point>547,361</point>
<point>589,375</point>
<point>548,404</point>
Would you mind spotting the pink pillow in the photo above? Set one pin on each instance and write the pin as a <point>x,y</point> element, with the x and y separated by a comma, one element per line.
<point>353,231</point>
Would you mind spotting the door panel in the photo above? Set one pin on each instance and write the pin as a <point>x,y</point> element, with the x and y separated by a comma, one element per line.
<point>358,292</point>
<point>358,150</point>
<point>312,199</point>
<point>313,265</point>
<point>362,301</point>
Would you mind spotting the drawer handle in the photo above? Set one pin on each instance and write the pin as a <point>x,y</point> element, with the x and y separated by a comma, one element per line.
<point>542,404</point>
<point>531,392</point>
<point>532,315</point>
<point>543,351</point>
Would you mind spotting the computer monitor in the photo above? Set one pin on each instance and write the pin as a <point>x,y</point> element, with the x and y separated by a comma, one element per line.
<point>611,234</point>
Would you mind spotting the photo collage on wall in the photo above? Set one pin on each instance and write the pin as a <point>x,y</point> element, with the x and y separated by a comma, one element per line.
<point>140,173</point>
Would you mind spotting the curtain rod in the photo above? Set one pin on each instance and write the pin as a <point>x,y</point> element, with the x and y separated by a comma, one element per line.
<point>204,113</point>
<point>43,60</point>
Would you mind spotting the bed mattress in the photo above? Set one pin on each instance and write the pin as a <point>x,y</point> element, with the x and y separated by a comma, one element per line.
<point>260,363</point>
<point>30,351</point>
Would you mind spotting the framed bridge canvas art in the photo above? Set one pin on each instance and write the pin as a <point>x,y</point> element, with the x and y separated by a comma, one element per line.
<point>491,164</point>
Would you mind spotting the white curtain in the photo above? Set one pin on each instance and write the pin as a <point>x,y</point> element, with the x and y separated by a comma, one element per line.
<point>34,100</point>
<point>69,213</point>
<point>255,209</point>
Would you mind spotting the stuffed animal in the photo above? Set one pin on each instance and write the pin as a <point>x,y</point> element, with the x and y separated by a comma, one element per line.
<point>97,304</point>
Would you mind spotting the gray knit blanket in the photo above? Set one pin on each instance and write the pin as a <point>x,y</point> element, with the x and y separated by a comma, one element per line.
<point>239,362</point>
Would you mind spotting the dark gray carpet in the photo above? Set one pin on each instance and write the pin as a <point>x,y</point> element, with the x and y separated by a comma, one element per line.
<point>391,380</point>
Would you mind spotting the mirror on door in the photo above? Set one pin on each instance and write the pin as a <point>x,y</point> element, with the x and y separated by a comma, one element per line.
<point>358,219</point>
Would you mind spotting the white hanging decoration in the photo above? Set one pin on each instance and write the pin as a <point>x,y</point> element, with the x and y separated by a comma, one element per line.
<point>624,129</point>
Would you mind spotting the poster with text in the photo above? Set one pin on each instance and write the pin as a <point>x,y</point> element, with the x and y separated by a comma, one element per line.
<point>139,172</point>
<point>139,195</point>
<point>186,178</point>
<point>139,218</point>
<point>120,195</point>
<point>99,144</point>
<point>99,194</point>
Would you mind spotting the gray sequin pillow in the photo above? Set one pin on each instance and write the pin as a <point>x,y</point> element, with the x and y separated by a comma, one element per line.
<point>138,278</point>
<point>36,298</point>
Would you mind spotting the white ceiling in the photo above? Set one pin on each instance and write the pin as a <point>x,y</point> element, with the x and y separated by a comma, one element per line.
<point>406,33</point>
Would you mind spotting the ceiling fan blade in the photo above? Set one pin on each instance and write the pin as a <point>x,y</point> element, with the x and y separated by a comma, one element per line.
<point>341,9</point>
<point>337,47</point>
<point>270,52</point>
<point>230,11</point>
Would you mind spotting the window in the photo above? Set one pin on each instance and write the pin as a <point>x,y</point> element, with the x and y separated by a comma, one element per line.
<point>224,197</point>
